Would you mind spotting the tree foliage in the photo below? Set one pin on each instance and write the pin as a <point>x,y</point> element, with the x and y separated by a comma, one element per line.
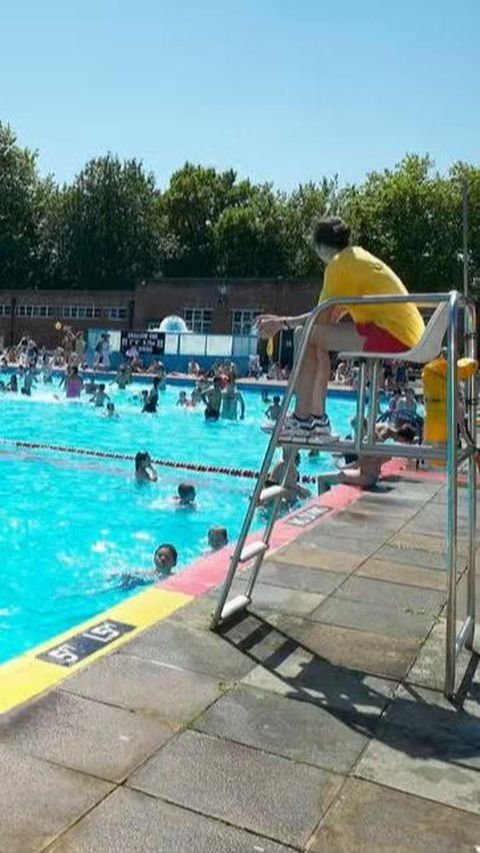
<point>112,226</point>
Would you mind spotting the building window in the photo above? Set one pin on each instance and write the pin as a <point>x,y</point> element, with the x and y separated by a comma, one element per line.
<point>5,310</point>
<point>198,319</point>
<point>243,320</point>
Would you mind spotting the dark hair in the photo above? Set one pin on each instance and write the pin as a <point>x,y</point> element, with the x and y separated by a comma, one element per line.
<point>331,231</point>
<point>172,550</point>
<point>276,398</point>
<point>186,490</point>
<point>140,457</point>
<point>407,433</point>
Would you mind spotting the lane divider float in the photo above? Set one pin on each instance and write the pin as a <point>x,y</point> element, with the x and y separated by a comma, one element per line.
<point>247,473</point>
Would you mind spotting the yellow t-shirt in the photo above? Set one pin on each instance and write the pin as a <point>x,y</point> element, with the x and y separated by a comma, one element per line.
<point>355,272</point>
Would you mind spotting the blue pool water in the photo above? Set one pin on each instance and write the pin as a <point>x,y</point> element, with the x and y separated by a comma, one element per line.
<point>70,525</point>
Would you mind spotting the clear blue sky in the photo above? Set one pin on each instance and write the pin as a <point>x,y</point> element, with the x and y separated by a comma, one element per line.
<point>281,90</point>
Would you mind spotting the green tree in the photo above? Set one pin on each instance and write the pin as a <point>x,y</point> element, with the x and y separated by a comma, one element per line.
<point>307,203</point>
<point>411,218</point>
<point>250,239</point>
<point>108,225</point>
<point>22,200</point>
<point>191,205</point>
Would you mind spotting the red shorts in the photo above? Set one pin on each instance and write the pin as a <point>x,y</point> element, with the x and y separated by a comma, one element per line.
<point>378,339</point>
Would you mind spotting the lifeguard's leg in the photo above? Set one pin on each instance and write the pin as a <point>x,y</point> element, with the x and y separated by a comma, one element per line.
<point>312,385</point>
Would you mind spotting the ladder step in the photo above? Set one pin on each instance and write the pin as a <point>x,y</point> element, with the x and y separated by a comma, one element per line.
<point>252,550</point>
<point>240,602</point>
<point>270,493</point>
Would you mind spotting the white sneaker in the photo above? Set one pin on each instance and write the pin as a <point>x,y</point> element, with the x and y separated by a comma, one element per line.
<point>321,426</point>
<point>295,430</point>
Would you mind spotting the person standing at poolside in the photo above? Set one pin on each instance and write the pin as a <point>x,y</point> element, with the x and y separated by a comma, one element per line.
<point>349,271</point>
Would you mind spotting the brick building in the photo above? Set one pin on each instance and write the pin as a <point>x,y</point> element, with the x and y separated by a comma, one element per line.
<point>222,306</point>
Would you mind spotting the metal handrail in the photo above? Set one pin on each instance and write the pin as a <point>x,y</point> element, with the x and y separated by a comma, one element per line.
<point>455,301</point>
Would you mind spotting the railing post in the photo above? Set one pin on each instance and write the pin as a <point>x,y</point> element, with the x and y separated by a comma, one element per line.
<point>471,410</point>
<point>452,493</point>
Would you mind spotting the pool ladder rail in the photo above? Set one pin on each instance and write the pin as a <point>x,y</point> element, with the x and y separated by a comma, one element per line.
<point>444,321</point>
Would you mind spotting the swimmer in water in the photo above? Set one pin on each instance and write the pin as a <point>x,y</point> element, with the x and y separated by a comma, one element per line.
<point>73,383</point>
<point>182,399</point>
<point>217,538</point>
<point>13,384</point>
<point>186,495</point>
<point>122,377</point>
<point>232,400</point>
<point>164,560</point>
<point>273,411</point>
<point>110,412</point>
<point>29,381</point>
<point>100,397</point>
<point>144,470</point>
<point>151,401</point>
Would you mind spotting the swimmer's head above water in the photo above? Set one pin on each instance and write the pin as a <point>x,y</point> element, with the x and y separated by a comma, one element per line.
<point>165,558</point>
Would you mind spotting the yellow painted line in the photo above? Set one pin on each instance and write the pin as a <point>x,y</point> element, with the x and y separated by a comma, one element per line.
<point>26,676</point>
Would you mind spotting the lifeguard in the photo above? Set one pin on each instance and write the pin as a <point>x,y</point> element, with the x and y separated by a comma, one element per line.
<point>350,271</point>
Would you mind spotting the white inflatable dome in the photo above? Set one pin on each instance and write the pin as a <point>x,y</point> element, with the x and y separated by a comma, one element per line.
<point>173,325</point>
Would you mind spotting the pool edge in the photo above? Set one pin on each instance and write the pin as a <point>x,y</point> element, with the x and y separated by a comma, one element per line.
<point>28,676</point>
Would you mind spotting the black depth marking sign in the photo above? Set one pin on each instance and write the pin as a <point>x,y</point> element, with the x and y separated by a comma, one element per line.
<point>80,646</point>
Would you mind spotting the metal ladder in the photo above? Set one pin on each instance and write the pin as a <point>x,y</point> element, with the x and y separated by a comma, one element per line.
<point>364,442</point>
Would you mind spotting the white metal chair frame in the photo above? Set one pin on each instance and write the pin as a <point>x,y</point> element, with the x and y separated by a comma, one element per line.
<point>444,320</point>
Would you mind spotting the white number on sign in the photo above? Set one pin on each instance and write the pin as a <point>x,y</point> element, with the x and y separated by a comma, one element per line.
<point>104,633</point>
<point>64,654</point>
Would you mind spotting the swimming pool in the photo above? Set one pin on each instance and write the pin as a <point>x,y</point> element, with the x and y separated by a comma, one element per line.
<point>71,525</point>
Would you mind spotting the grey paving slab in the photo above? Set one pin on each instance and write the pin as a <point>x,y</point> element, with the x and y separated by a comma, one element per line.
<point>413,557</point>
<point>427,747</point>
<point>281,598</point>
<point>254,790</point>
<point>429,667</point>
<point>422,542</point>
<point>329,738</point>
<point>313,556</point>
<point>428,525</point>
<point>356,537</point>
<point>259,639</point>
<point>365,616</point>
<point>402,573</point>
<point>84,735</point>
<point>338,543</point>
<point>304,676</point>
<point>378,654</point>
<point>297,577</point>
<point>177,644</point>
<point>131,682</point>
<point>369,818</point>
<point>361,516</point>
<point>38,800</point>
<point>402,597</point>
<point>131,822</point>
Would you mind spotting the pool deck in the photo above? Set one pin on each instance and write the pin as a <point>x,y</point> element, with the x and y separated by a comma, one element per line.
<point>316,722</point>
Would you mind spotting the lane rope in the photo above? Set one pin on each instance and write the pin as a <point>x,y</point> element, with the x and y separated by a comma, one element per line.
<point>247,473</point>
